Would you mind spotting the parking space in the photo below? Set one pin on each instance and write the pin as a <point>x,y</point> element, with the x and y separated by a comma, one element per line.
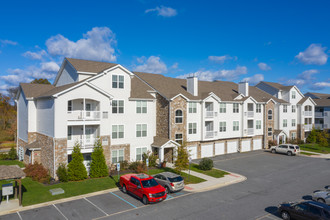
<point>86,208</point>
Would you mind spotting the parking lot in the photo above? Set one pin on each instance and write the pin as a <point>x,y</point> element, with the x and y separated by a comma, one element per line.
<point>87,208</point>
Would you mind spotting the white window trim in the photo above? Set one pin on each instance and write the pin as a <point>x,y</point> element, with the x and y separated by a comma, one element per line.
<point>117,132</point>
<point>234,126</point>
<point>257,125</point>
<point>258,110</point>
<point>286,123</point>
<point>136,108</point>
<point>225,127</point>
<point>178,139</point>
<point>178,117</point>
<point>192,128</point>
<point>191,103</point>
<point>225,108</point>
<point>293,125</point>
<point>117,81</point>
<point>235,104</point>
<point>136,154</point>
<point>118,106</point>
<point>118,155</point>
<point>141,131</point>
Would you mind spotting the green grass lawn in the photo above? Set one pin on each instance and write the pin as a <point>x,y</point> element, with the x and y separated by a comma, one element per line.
<point>8,145</point>
<point>305,153</point>
<point>315,148</point>
<point>12,162</point>
<point>192,179</point>
<point>214,172</point>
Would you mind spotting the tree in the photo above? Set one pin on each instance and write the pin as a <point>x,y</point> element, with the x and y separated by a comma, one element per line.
<point>40,81</point>
<point>182,158</point>
<point>76,168</point>
<point>312,137</point>
<point>99,167</point>
<point>7,112</point>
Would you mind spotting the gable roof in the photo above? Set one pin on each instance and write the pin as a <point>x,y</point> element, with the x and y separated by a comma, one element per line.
<point>278,86</point>
<point>89,65</point>
<point>140,89</point>
<point>160,141</point>
<point>32,90</point>
<point>322,100</point>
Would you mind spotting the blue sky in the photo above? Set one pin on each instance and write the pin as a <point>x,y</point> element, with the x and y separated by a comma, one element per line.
<point>280,41</point>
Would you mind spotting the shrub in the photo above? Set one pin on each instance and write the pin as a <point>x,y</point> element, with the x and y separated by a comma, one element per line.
<point>124,165</point>
<point>206,164</point>
<point>62,173</point>
<point>137,166</point>
<point>37,172</point>
<point>99,167</point>
<point>141,168</point>
<point>151,157</point>
<point>76,168</point>
<point>4,156</point>
<point>12,155</point>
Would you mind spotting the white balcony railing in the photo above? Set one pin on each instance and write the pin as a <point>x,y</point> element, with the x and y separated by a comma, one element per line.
<point>210,114</point>
<point>210,134</point>
<point>308,113</point>
<point>319,126</point>
<point>87,143</point>
<point>84,115</point>
<point>308,127</point>
<point>319,115</point>
<point>250,131</point>
<point>250,114</point>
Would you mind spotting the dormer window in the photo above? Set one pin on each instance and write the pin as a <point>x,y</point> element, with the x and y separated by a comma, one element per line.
<point>293,94</point>
<point>118,81</point>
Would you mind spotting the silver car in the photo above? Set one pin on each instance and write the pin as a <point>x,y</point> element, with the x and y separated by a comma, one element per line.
<point>170,181</point>
<point>288,149</point>
<point>322,196</point>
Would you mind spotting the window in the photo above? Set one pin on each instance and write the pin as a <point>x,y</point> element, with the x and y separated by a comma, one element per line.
<point>69,106</point>
<point>308,108</point>
<point>235,108</point>
<point>293,109</point>
<point>270,132</point>
<point>118,81</point>
<point>270,114</point>
<point>285,123</point>
<point>222,108</point>
<point>178,138</point>
<point>285,108</point>
<point>258,124</point>
<point>293,135</point>
<point>258,108</point>
<point>69,133</point>
<point>141,107</point>
<point>235,125</point>
<point>293,94</point>
<point>222,126</point>
<point>104,115</point>
<point>117,131</point>
<point>118,106</point>
<point>293,123</point>
<point>141,130</point>
<point>192,107</point>
<point>117,156</point>
<point>315,211</point>
<point>178,117</point>
<point>139,152</point>
<point>192,128</point>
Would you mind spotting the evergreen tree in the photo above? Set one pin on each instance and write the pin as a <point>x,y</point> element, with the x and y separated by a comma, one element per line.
<point>99,167</point>
<point>76,168</point>
<point>182,158</point>
<point>312,137</point>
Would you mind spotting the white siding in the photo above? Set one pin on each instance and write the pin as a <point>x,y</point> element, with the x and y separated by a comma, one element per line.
<point>68,75</point>
<point>45,117</point>
<point>22,106</point>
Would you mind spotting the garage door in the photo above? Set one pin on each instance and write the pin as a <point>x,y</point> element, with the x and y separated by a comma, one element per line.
<point>219,148</point>
<point>246,145</point>
<point>257,144</point>
<point>207,150</point>
<point>232,147</point>
<point>192,152</point>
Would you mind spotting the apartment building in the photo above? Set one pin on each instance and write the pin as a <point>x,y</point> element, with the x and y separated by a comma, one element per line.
<point>322,110</point>
<point>294,118</point>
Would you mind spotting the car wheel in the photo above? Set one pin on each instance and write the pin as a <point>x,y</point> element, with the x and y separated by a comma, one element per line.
<point>285,215</point>
<point>124,189</point>
<point>145,200</point>
<point>321,200</point>
<point>289,153</point>
<point>273,151</point>
<point>167,190</point>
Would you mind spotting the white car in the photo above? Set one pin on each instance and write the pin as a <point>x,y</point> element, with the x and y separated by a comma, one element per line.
<point>288,149</point>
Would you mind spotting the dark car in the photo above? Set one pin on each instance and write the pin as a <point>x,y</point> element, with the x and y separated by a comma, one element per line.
<point>307,210</point>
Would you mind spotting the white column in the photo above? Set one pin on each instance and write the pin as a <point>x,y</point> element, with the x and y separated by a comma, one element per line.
<point>84,109</point>
<point>84,136</point>
<point>161,154</point>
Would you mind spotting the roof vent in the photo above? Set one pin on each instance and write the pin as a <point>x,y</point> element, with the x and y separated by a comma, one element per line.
<point>192,85</point>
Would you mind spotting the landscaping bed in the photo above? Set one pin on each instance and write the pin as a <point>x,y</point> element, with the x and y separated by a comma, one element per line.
<point>315,148</point>
<point>216,173</point>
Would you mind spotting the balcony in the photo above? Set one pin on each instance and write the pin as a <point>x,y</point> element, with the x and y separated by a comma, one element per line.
<point>319,126</point>
<point>250,131</point>
<point>210,134</point>
<point>84,115</point>
<point>308,113</point>
<point>319,115</point>
<point>86,143</point>
<point>210,114</point>
<point>249,114</point>
<point>308,127</point>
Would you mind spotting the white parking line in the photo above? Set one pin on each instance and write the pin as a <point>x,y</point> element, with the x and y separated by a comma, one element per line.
<point>60,212</point>
<point>20,217</point>
<point>97,207</point>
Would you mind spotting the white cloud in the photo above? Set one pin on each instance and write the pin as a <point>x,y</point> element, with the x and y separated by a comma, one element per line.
<point>302,79</point>
<point>296,82</point>
<point>151,65</point>
<point>253,80</point>
<point>35,55</point>
<point>221,59</point>
<point>175,66</point>
<point>209,75</point>
<point>163,11</point>
<point>308,74</point>
<point>264,66</point>
<point>320,85</point>
<point>7,42</point>
<point>97,44</point>
<point>314,54</point>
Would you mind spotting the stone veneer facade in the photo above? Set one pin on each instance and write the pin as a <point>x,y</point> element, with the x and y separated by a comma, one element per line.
<point>162,117</point>
<point>178,103</point>
<point>106,143</point>
<point>126,148</point>
<point>269,123</point>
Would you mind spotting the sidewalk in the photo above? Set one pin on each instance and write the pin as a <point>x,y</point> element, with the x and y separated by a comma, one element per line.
<point>318,155</point>
<point>211,182</point>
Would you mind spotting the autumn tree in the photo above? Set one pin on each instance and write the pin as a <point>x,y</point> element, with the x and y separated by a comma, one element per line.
<point>182,158</point>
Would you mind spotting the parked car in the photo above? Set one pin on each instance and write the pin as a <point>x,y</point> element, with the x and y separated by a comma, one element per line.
<point>170,181</point>
<point>322,196</point>
<point>288,149</point>
<point>144,187</point>
<point>307,210</point>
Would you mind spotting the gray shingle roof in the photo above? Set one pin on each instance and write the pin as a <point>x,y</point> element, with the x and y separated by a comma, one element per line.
<point>323,100</point>
<point>278,86</point>
<point>89,65</point>
<point>35,90</point>
<point>11,172</point>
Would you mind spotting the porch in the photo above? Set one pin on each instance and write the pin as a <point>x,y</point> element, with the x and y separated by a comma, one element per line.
<point>165,149</point>
<point>85,135</point>
<point>83,109</point>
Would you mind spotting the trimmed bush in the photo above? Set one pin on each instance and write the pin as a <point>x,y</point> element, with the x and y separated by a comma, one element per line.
<point>124,165</point>
<point>99,167</point>
<point>206,164</point>
<point>37,172</point>
<point>151,157</point>
<point>62,173</point>
<point>4,156</point>
<point>12,155</point>
<point>137,166</point>
<point>76,168</point>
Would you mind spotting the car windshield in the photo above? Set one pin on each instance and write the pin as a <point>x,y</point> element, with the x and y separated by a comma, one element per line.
<point>149,183</point>
<point>175,179</point>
